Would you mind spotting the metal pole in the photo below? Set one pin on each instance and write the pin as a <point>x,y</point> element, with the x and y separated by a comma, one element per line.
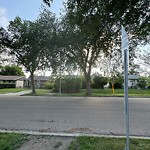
<point>60,82</point>
<point>60,74</point>
<point>126,97</point>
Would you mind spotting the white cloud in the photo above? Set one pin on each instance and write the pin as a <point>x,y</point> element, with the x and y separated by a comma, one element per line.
<point>3,18</point>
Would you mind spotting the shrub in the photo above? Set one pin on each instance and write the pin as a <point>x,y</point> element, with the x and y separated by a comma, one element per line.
<point>118,82</point>
<point>142,83</point>
<point>69,84</point>
<point>48,85</point>
<point>99,82</point>
<point>7,85</point>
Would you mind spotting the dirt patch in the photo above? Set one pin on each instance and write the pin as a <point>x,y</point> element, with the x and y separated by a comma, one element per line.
<point>46,143</point>
<point>78,130</point>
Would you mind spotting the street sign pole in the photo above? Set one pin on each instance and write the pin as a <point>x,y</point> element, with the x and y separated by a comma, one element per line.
<point>125,59</point>
<point>126,97</point>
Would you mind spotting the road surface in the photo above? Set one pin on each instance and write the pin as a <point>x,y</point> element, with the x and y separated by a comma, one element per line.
<point>96,115</point>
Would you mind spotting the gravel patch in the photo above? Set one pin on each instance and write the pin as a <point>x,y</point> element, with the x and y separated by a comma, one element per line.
<point>46,143</point>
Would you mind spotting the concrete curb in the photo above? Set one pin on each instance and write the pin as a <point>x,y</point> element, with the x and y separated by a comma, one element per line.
<point>69,134</point>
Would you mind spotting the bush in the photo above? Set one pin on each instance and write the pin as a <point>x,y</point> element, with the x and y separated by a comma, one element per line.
<point>142,83</point>
<point>69,85</point>
<point>4,85</point>
<point>118,82</point>
<point>48,85</point>
<point>99,82</point>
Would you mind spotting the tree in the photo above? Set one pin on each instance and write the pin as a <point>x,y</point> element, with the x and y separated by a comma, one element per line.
<point>142,82</point>
<point>5,40</point>
<point>94,27</point>
<point>32,42</point>
<point>144,59</point>
<point>11,70</point>
<point>47,2</point>
<point>86,41</point>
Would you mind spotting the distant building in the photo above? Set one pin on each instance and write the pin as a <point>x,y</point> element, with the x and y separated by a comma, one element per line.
<point>17,80</point>
<point>132,80</point>
<point>39,81</point>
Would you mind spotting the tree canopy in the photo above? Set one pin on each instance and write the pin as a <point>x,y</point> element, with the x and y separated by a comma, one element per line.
<point>93,28</point>
<point>11,70</point>
<point>33,42</point>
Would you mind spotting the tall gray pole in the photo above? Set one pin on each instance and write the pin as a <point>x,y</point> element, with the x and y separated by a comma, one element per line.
<point>60,82</point>
<point>126,97</point>
<point>60,75</point>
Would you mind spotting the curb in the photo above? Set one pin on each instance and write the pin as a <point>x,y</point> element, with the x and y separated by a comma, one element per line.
<point>61,134</point>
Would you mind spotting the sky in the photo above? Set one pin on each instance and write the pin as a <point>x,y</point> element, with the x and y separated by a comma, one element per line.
<point>26,9</point>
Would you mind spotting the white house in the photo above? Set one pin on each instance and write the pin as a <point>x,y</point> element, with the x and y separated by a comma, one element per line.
<point>132,80</point>
<point>39,81</point>
<point>17,80</point>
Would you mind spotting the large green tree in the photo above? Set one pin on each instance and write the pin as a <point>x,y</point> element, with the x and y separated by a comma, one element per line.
<point>11,70</point>
<point>93,28</point>
<point>32,42</point>
<point>4,39</point>
<point>87,40</point>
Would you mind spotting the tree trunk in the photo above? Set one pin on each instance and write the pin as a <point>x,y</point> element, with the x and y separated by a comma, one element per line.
<point>88,84</point>
<point>88,88</point>
<point>32,83</point>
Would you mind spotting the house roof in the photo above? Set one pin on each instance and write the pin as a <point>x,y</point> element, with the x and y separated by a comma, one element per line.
<point>40,78</point>
<point>11,78</point>
<point>133,77</point>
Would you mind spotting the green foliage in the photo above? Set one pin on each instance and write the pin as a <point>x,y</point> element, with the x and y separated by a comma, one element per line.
<point>108,92</point>
<point>69,84</point>
<point>33,43</point>
<point>92,14</point>
<point>4,85</point>
<point>4,39</point>
<point>11,141</point>
<point>118,82</point>
<point>48,85</point>
<point>101,143</point>
<point>93,27</point>
<point>39,92</point>
<point>142,82</point>
<point>11,90</point>
<point>11,70</point>
<point>48,2</point>
<point>99,82</point>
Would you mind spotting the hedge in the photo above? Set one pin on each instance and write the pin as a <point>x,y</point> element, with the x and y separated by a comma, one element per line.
<point>7,85</point>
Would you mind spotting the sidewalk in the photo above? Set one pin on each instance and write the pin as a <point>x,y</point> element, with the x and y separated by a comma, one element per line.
<point>16,94</point>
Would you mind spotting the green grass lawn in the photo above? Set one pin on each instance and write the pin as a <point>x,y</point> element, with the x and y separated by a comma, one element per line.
<point>108,92</point>
<point>95,92</point>
<point>12,90</point>
<point>97,143</point>
<point>11,141</point>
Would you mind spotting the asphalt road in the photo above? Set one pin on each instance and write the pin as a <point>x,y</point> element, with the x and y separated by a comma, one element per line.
<point>74,115</point>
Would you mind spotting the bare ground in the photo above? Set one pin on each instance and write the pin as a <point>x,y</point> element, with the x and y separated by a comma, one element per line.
<point>46,143</point>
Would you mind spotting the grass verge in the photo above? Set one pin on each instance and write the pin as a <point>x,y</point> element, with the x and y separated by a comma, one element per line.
<point>97,143</point>
<point>12,90</point>
<point>108,92</point>
<point>11,141</point>
<point>39,92</point>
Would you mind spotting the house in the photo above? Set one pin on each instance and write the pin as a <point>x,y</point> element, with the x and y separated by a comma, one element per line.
<point>17,80</point>
<point>132,80</point>
<point>39,81</point>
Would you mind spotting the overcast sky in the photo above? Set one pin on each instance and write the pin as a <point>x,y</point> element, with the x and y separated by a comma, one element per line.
<point>26,9</point>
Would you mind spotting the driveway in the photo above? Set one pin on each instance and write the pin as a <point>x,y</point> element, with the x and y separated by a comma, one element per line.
<point>74,114</point>
<point>17,93</point>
